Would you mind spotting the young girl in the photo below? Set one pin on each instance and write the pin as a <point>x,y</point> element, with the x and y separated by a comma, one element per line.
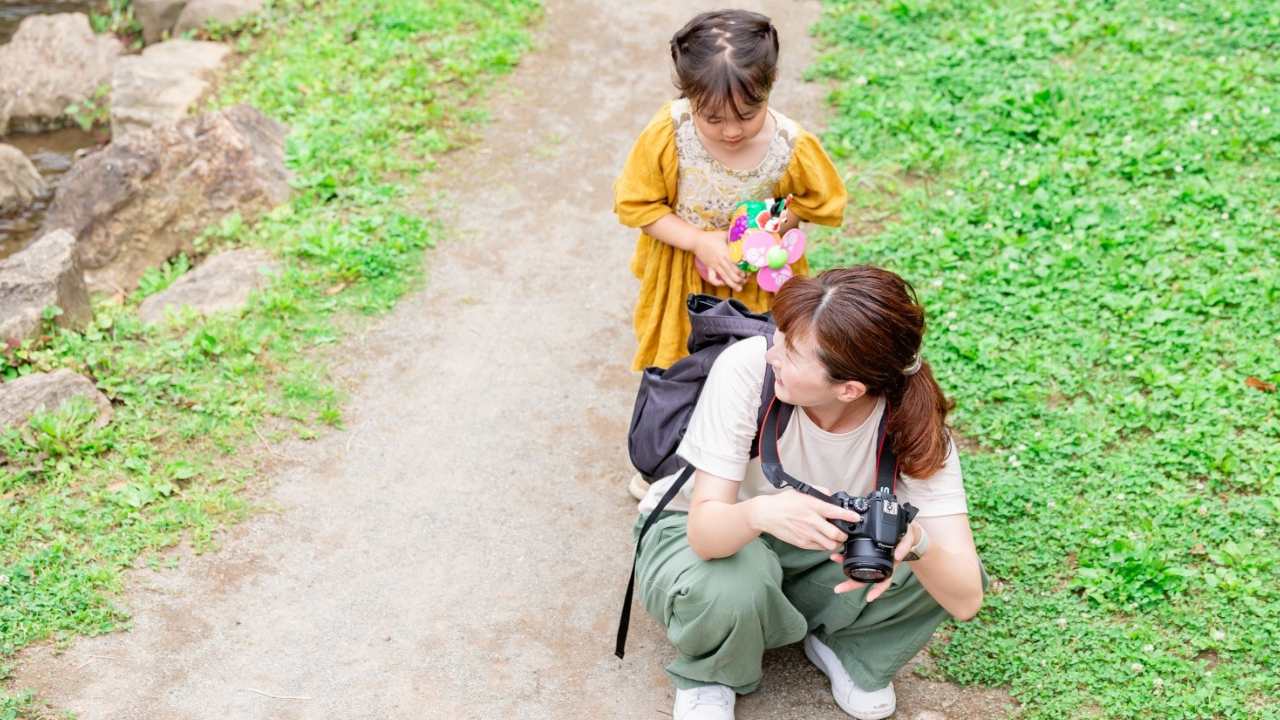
<point>735,566</point>
<point>717,145</point>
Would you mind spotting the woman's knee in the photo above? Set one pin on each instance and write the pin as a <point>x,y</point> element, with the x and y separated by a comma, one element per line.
<point>734,587</point>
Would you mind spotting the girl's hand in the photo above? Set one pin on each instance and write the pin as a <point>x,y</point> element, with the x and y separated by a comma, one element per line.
<point>800,520</point>
<point>903,547</point>
<point>712,248</point>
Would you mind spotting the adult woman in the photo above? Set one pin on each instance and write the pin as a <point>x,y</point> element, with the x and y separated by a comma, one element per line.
<point>735,566</point>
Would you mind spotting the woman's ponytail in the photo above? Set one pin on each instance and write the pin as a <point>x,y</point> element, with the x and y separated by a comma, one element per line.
<point>918,425</point>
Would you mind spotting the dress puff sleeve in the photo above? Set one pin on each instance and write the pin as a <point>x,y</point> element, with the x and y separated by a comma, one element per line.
<point>646,190</point>
<point>815,184</point>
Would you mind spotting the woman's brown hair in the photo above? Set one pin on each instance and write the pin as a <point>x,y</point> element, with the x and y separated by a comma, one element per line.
<point>726,60</point>
<point>868,325</point>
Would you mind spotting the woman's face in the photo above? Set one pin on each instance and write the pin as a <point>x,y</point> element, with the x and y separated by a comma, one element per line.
<point>799,377</point>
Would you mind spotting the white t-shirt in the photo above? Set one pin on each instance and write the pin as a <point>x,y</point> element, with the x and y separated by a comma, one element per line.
<point>718,441</point>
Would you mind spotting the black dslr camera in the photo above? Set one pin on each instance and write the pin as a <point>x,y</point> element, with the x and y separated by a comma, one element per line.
<point>868,553</point>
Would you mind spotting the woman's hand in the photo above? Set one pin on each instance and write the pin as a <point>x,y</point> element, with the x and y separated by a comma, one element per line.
<point>900,551</point>
<point>799,520</point>
<point>712,248</point>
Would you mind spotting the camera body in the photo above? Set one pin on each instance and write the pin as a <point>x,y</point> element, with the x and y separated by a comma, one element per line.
<point>868,553</point>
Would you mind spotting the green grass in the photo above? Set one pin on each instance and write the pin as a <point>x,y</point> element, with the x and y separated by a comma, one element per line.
<point>372,89</point>
<point>1087,196</point>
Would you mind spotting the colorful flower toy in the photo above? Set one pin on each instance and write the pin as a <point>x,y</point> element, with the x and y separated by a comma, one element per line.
<point>756,246</point>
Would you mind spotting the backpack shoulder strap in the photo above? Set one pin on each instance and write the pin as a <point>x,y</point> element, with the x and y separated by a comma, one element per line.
<point>624,620</point>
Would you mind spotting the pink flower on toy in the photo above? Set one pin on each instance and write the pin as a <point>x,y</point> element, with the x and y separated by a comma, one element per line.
<point>772,255</point>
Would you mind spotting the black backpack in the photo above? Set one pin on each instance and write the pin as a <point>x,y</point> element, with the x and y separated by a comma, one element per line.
<point>666,398</point>
<point>665,402</point>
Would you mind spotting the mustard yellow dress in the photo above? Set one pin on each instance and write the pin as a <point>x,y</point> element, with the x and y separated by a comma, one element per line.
<point>670,171</point>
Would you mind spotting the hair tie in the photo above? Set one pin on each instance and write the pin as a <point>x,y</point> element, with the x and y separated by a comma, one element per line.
<point>914,367</point>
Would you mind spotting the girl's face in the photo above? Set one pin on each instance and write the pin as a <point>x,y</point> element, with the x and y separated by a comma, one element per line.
<point>720,125</point>
<point>799,377</point>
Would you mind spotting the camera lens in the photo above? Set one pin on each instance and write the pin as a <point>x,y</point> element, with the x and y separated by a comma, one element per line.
<point>864,561</point>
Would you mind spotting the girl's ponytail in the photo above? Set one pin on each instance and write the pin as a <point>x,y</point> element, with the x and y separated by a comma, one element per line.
<point>726,59</point>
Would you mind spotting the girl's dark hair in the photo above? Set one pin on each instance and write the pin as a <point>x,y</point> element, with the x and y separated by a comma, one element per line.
<point>868,326</point>
<point>726,59</point>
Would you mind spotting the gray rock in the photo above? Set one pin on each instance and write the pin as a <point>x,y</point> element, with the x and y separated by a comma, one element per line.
<point>157,16</point>
<point>52,61</point>
<point>162,84</point>
<point>46,392</point>
<point>44,273</point>
<point>147,196</point>
<point>223,282</point>
<point>20,182</point>
<point>198,13</point>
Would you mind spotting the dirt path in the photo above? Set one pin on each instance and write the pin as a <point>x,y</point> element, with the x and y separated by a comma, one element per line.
<point>460,550</point>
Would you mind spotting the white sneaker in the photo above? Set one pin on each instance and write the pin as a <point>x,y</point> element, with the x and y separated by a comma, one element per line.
<point>859,703</point>
<point>706,702</point>
<point>638,487</point>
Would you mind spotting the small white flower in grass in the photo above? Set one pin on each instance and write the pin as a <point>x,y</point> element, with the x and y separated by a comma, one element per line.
<point>1222,59</point>
<point>1017,213</point>
<point>951,193</point>
<point>1148,649</point>
<point>936,232</point>
<point>1023,182</point>
<point>1014,461</point>
<point>1266,110</point>
<point>951,315</point>
<point>1208,117</point>
<point>1136,667</point>
<point>4,579</point>
<point>1061,622</point>
<point>1177,168</point>
<point>1128,139</point>
<point>1213,131</point>
<point>1051,504</point>
<point>1128,358</point>
<point>1218,635</point>
<point>1226,216</point>
<point>1158,683</point>
<point>861,80</point>
<point>959,131</point>
<point>1260,532</point>
<point>988,226</point>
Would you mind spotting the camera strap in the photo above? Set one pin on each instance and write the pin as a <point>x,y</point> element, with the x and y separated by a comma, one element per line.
<point>771,463</point>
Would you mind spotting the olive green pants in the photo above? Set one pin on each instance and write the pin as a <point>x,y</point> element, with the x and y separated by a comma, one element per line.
<point>722,614</point>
